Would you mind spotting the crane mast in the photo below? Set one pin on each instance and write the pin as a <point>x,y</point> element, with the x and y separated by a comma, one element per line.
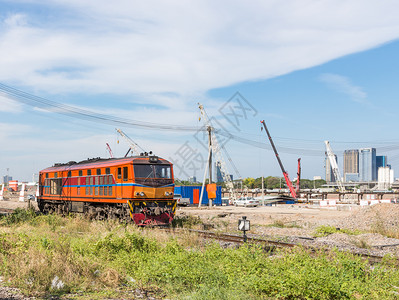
<point>133,145</point>
<point>298,181</point>
<point>287,178</point>
<point>216,149</point>
<point>334,167</point>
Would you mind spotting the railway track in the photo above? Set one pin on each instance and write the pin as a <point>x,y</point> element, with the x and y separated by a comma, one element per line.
<point>271,245</point>
<point>268,245</point>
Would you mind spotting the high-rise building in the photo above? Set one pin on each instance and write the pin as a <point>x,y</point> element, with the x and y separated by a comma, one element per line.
<point>367,164</point>
<point>219,177</point>
<point>192,179</point>
<point>6,179</point>
<point>381,161</point>
<point>351,161</point>
<point>385,178</point>
<point>330,177</point>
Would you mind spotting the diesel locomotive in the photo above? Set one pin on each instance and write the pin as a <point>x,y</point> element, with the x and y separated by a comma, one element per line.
<point>137,188</point>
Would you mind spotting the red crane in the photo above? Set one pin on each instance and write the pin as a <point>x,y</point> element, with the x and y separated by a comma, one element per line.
<point>287,178</point>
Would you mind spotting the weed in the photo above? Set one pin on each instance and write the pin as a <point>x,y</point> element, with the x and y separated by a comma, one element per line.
<point>186,221</point>
<point>281,224</point>
<point>18,216</point>
<point>327,230</point>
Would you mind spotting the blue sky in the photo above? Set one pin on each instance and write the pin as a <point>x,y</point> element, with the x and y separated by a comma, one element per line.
<point>313,70</point>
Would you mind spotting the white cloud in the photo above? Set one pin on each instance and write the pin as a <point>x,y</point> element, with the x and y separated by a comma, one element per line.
<point>9,105</point>
<point>185,48</point>
<point>344,85</point>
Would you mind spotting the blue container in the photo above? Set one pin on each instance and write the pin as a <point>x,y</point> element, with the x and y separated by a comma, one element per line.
<point>194,193</point>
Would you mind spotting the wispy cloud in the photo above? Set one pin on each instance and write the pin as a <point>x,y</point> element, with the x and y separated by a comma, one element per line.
<point>182,47</point>
<point>344,85</point>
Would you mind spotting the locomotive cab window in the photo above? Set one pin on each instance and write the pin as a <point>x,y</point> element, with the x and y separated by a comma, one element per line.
<point>119,173</point>
<point>80,173</point>
<point>152,171</point>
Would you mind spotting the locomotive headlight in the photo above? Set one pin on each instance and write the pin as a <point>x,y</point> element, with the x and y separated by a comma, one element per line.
<point>142,194</point>
<point>168,194</point>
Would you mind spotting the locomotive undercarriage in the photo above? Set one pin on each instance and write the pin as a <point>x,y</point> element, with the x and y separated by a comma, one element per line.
<point>141,212</point>
<point>92,210</point>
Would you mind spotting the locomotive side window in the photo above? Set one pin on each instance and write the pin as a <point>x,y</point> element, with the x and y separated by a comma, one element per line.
<point>46,175</point>
<point>88,172</point>
<point>107,171</point>
<point>125,174</point>
<point>98,171</point>
<point>55,175</point>
<point>119,173</point>
<point>69,174</point>
<point>80,173</point>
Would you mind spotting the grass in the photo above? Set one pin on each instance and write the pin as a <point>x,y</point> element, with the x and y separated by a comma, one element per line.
<point>282,224</point>
<point>51,255</point>
<point>327,230</point>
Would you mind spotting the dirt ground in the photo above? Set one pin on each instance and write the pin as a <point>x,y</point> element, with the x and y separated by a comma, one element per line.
<point>372,229</point>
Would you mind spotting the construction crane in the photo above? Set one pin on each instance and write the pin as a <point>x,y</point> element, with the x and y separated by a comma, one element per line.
<point>132,144</point>
<point>216,150</point>
<point>334,167</point>
<point>109,150</point>
<point>298,181</point>
<point>287,178</point>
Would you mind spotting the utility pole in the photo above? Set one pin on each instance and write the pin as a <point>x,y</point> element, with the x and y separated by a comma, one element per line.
<point>263,192</point>
<point>210,160</point>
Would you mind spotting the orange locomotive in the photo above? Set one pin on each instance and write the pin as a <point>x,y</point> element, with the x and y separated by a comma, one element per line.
<point>138,188</point>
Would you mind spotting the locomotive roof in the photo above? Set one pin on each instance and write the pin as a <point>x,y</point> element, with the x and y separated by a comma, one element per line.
<point>103,162</point>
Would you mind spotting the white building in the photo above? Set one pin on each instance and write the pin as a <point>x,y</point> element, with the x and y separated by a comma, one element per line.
<point>385,178</point>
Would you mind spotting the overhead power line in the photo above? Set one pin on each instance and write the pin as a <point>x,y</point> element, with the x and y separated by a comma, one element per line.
<point>84,114</point>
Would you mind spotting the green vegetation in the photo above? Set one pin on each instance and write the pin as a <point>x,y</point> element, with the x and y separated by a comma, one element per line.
<point>281,224</point>
<point>51,255</point>
<point>327,230</point>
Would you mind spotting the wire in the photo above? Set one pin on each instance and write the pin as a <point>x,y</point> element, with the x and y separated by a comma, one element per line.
<point>71,111</point>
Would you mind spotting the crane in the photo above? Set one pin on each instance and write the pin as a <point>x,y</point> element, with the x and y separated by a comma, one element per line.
<point>109,150</point>
<point>133,145</point>
<point>334,167</point>
<point>287,178</point>
<point>298,181</point>
<point>216,149</point>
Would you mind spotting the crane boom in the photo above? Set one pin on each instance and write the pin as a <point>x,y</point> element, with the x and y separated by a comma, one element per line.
<point>334,167</point>
<point>110,151</point>
<point>216,150</point>
<point>287,178</point>
<point>132,144</point>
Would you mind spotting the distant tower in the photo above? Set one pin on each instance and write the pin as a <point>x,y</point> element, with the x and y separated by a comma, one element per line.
<point>219,177</point>
<point>329,171</point>
<point>381,161</point>
<point>351,161</point>
<point>367,164</point>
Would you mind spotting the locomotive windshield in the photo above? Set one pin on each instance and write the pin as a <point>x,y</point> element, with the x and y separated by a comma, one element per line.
<point>152,171</point>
